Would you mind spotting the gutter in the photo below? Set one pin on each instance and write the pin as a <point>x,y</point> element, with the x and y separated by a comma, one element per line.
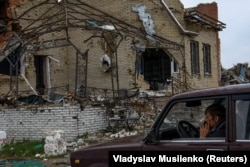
<point>187,32</point>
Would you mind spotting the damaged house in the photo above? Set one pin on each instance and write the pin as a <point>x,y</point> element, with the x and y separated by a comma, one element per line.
<point>106,49</point>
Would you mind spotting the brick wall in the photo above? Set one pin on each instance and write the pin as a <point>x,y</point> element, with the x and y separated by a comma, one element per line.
<point>63,74</point>
<point>35,123</point>
<point>209,9</point>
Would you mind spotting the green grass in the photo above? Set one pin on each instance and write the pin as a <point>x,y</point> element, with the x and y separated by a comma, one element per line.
<point>22,149</point>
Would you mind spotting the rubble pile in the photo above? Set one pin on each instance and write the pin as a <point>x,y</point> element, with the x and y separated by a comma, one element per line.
<point>239,74</point>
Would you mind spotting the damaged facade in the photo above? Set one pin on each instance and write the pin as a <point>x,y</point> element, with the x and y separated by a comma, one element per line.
<point>101,50</point>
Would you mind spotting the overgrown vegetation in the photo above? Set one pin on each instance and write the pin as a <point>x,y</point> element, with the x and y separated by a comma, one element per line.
<point>22,149</point>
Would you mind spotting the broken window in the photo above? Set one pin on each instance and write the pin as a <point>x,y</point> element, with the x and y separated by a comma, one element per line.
<point>207,58</point>
<point>11,65</point>
<point>42,69</point>
<point>157,67</point>
<point>194,52</point>
<point>39,62</point>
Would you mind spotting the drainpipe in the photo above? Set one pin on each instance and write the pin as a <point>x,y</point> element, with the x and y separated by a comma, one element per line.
<point>176,21</point>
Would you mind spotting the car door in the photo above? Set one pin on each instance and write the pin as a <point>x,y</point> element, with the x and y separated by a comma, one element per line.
<point>165,135</point>
<point>240,118</point>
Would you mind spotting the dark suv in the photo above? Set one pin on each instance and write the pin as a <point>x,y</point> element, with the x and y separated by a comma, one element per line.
<point>177,127</point>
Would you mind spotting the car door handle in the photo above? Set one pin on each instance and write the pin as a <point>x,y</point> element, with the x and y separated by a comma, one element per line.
<point>211,149</point>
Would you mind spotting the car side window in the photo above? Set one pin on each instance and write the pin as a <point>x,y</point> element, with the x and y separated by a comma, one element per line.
<point>179,112</point>
<point>242,110</point>
<point>189,112</point>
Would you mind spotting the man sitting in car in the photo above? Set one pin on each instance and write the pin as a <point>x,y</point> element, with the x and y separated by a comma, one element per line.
<point>214,125</point>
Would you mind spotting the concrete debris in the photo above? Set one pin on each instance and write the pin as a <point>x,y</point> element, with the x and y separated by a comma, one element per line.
<point>3,138</point>
<point>101,137</point>
<point>55,143</point>
<point>239,74</point>
<point>55,97</point>
<point>123,133</point>
<point>153,93</point>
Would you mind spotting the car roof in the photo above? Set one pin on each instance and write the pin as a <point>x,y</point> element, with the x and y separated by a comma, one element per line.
<point>215,91</point>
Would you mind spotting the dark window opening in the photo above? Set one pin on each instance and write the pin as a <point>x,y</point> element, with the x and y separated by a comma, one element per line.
<point>194,52</point>
<point>3,16</point>
<point>39,68</point>
<point>3,7</point>
<point>175,66</point>
<point>11,65</point>
<point>156,68</point>
<point>207,58</point>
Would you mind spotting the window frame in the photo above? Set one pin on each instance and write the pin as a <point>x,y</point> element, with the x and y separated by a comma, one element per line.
<point>205,99</point>
<point>237,98</point>
<point>207,59</point>
<point>174,66</point>
<point>194,55</point>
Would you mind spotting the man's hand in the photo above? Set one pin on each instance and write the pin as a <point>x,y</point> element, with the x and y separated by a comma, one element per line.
<point>204,130</point>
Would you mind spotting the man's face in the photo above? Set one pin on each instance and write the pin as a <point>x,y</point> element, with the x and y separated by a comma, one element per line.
<point>211,120</point>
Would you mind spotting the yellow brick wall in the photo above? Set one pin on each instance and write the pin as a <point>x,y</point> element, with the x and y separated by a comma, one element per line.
<point>63,74</point>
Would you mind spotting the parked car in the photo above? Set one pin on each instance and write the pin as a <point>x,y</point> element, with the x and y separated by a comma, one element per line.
<point>177,127</point>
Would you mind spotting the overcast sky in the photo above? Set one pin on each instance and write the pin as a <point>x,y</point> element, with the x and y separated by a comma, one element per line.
<point>235,38</point>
